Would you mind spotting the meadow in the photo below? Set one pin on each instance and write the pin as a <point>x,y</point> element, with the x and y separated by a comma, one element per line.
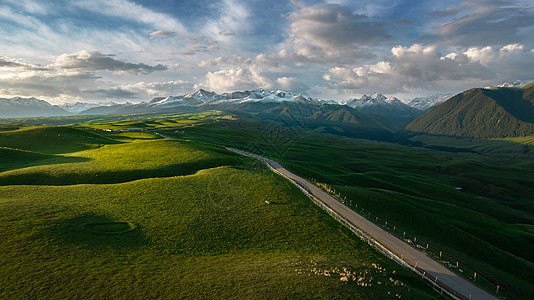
<point>132,215</point>
<point>474,205</point>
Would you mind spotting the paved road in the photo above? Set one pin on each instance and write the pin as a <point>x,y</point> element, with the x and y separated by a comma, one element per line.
<point>406,252</point>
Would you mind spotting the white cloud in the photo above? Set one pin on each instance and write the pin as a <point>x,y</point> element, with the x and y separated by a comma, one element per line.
<point>8,14</point>
<point>12,64</point>
<point>236,79</point>
<point>233,20</point>
<point>165,88</point>
<point>291,84</point>
<point>484,55</point>
<point>131,11</point>
<point>512,48</point>
<point>417,66</point>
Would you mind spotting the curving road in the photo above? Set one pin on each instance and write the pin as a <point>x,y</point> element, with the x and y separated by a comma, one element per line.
<point>420,263</point>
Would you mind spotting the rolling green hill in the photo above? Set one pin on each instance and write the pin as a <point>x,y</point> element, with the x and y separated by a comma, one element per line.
<point>482,113</point>
<point>135,216</point>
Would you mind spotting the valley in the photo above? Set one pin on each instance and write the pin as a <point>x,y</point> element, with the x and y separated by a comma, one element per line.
<point>124,191</point>
<point>90,213</point>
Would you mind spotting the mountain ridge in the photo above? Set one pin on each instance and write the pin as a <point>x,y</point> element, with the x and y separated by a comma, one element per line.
<point>19,107</point>
<point>482,113</point>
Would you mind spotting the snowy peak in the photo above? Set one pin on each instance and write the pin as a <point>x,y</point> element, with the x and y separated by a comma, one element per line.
<point>506,84</point>
<point>375,99</point>
<point>34,102</point>
<point>426,103</point>
<point>19,107</point>
<point>202,94</point>
<point>195,98</point>
<point>377,96</point>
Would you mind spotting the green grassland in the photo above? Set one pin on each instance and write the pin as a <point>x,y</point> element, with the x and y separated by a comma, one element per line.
<point>90,214</point>
<point>487,225</point>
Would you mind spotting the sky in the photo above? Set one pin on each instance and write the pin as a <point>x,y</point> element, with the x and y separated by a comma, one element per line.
<point>65,51</point>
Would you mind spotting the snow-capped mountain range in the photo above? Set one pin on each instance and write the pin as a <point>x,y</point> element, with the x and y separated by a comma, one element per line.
<point>28,107</point>
<point>375,100</point>
<point>506,84</point>
<point>202,99</point>
<point>397,112</point>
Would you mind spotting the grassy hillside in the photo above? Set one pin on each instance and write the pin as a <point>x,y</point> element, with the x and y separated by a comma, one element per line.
<point>486,225</point>
<point>158,218</point>
<point>482,113</point>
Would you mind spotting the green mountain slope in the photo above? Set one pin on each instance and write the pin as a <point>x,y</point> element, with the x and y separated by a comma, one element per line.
<point>337,119</point>
<point>482,113</point>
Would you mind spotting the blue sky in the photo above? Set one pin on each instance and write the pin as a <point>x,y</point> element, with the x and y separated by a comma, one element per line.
<point>126,50</point>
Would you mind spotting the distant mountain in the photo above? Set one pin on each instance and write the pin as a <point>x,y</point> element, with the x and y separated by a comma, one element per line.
<point>205,100</point>
<point>106,109</point>
<point>426,103</point>
<point>81,106</point>
<point>482,113</point>
<point>28,107</point>
<point>196,98</point>
<point>336,119</point>
<point>391,108</point>
<point>516,83</point>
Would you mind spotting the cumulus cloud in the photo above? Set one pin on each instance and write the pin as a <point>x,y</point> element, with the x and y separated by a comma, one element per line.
<point>46,85</point>
<point>416,66</point>
<point>236,79</point>
<point>96,61</point>
<point>332,25</point>
<point>10,63</point>
<point>74,77</point>
<point>332,34</point>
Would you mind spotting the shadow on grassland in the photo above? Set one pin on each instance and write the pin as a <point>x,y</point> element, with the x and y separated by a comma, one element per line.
<point>11,159</point>
<point>111,177</point>
<point>97,231</point>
